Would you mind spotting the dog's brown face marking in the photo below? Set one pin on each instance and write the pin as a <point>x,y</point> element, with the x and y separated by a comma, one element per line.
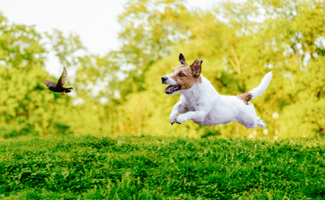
<point>186,76</point>
<point>246,97</point>
<point>183,75</point>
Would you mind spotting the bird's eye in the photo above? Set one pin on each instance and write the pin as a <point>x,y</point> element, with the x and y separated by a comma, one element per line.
<point>181,74</point>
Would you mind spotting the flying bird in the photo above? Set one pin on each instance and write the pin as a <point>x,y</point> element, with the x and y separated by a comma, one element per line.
<point>58,87</point>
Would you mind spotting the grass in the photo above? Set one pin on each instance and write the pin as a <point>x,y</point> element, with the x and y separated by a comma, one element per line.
<point>90,167</point>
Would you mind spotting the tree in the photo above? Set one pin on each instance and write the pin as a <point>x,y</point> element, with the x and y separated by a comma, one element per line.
<point>238,51</point>
<point>27,107</point>
<point>150,30</point>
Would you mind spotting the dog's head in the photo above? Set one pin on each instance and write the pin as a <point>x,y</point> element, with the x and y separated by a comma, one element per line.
<point>183,76</point>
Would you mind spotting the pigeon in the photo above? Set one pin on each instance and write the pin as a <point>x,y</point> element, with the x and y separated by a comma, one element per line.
<point>58,87</point>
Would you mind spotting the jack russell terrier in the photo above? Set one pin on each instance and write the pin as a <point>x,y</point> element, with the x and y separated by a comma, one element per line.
<point>201,103</point>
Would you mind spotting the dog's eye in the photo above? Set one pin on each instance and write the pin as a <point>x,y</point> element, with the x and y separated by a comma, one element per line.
<point>181,74</point>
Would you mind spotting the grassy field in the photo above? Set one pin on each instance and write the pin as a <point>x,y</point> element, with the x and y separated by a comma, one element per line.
<point>161,168</point>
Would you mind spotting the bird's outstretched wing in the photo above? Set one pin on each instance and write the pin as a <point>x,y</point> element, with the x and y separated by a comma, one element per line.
<point>63,78</point>
<point>49,84</point>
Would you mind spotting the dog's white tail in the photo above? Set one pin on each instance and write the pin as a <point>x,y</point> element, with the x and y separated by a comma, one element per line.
<point>262,86</point>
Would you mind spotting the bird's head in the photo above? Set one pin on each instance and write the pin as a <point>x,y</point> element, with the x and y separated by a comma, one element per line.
<point>68,90</point>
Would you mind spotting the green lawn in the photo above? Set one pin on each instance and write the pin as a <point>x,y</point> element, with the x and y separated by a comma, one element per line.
<point>161,168</point>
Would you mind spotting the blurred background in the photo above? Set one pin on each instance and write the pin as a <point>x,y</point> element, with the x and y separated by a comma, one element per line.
<point>116,76</point>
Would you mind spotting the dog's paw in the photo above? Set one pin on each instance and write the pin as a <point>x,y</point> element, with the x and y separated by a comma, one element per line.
<point>181,119</point>
<point>172,118</point>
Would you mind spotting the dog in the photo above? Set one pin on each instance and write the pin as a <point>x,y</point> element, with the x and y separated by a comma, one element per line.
<point>201,103</point>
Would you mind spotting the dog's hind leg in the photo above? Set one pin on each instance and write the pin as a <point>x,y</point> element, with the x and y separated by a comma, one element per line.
<point>260,123</point>
<point>247,121</point>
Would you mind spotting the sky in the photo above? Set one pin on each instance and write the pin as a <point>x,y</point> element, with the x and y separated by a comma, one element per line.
<point>95,22</point>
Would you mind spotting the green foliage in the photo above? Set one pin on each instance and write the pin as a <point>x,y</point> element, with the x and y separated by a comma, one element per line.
<point>150,30</point>
<point>27,107</point>
<point>65,48</point>
<point>154,167</point>
<point>237,54</point>
<point>121,93</point>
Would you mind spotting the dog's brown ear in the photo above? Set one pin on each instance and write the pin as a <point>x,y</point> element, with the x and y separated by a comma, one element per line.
<point>182,59</point>
<point>196,67</point>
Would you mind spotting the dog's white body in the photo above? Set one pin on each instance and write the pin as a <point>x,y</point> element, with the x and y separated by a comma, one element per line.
<point>205,106</point>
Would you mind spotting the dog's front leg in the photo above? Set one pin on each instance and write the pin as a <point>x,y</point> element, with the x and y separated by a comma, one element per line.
<point>197,116</point>
<point>178,108</point>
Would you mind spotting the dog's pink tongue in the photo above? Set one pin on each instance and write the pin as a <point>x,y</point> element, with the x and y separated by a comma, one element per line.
<point>171,88</point>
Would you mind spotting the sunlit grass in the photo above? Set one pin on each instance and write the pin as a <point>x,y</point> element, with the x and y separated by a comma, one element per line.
<point>161,168</point>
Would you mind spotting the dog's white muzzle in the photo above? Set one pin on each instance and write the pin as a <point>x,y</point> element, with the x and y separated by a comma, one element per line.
<point>173,85</point>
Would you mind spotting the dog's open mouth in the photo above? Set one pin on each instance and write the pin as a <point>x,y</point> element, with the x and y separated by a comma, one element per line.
<point>172,88</point>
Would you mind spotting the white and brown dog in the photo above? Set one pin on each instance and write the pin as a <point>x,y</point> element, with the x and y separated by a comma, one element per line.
<point>201,103</point>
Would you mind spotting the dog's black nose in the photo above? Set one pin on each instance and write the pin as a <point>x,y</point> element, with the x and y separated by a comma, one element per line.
<point>163,79</point>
